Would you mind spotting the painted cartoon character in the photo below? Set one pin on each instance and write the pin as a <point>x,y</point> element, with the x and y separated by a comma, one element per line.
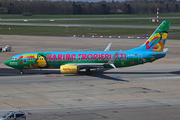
<point>42,63</point>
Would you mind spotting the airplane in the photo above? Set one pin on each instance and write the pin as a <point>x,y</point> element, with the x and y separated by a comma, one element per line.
<point>72,62</point>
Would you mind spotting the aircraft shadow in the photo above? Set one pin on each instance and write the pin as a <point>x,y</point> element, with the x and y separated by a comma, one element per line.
<point>102,73</point>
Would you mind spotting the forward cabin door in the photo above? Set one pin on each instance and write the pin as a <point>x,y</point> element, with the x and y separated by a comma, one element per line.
<point>140,57</point>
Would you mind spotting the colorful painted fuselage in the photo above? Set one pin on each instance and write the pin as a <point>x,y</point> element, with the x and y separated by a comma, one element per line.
<point>56,59</point>
<point>150,51</point>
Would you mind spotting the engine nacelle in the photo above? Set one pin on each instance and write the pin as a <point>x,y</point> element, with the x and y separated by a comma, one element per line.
<point>68,69</point>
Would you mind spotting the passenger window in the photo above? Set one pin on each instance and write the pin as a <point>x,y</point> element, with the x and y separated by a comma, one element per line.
<point>19,115</point>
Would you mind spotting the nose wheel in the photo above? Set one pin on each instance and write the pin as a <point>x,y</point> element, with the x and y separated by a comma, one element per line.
<point>21,72</point>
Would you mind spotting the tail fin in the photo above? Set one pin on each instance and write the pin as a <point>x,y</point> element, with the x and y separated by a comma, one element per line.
<point>157,40</point>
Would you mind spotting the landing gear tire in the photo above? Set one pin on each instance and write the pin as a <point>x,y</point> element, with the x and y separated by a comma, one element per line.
<point>21,72</point>
<point>88,71</point>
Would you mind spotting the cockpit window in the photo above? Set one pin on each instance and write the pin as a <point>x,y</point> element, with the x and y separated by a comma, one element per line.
<point>13,58</point>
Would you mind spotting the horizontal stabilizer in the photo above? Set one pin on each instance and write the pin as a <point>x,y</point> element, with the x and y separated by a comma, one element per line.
<point>161,53</point>
<point>165,50</point>
<point>155,54</point>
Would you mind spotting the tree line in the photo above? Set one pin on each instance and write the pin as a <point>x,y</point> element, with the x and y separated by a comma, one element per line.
<point>49,7</point>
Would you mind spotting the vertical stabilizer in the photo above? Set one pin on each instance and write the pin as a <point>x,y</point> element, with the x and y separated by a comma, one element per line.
<point>157,40</point>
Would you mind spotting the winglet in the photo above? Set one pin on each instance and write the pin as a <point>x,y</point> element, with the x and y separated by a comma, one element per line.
<point>108,47</point>
<point>113,66</point>
<point>111,61</point>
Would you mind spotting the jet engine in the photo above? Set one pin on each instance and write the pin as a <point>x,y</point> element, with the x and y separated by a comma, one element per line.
<point>68,69</point>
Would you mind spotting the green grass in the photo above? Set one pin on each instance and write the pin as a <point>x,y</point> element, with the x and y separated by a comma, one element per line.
<point>62,31</point>
<point>17,16</point>
<point>175,38</point>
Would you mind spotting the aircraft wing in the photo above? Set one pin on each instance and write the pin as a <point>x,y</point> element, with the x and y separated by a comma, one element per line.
<point>96,65</point>
<point>90,65</point>
<point>108,47</point>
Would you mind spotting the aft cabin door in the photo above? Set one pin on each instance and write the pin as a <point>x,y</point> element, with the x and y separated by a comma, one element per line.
<point>140,57</point>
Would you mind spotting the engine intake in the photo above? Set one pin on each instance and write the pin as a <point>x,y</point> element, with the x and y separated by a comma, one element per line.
<point>68,69</point>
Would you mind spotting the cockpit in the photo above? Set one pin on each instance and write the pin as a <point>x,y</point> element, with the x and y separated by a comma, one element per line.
<point>14,58</point>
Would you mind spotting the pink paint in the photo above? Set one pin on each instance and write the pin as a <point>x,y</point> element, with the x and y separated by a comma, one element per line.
<point>73,57</point>
<point>122,55</point>
<point>102,55</point>
<point>60,57</point>
<point>68,57</point>
<point>106,56</point>
<point>99,56</point>
<point>95,56</point>
<point>79,56</point>
<point>64,57</point>
<point>84,57</point>
<point>54,58</point>
<point>49,57</point>
<point>89,57</point>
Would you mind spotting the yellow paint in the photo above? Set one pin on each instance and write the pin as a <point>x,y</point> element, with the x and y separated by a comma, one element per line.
<point>164,36</point>
<point>31,66</point>
<point>153,58</point>
<point>68,69</point>
<point>41,61</point>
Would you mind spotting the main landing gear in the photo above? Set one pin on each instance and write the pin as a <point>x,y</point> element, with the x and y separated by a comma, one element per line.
<point>88,71</point>
<point>21,72</point>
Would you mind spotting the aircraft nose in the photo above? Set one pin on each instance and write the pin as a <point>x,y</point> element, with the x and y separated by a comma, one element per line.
<point>6,62</point>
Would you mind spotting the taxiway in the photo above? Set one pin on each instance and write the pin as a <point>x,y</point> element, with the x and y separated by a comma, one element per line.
<point>149,91</point>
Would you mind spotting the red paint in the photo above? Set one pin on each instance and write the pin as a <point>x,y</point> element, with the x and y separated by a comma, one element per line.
<point>53,76</point>
<point>20,57</point>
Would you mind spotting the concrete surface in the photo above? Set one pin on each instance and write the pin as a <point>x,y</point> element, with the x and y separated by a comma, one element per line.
<point>149,91</point>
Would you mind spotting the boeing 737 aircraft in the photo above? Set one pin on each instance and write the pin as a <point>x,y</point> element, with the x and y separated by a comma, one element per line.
<point>72,62</point>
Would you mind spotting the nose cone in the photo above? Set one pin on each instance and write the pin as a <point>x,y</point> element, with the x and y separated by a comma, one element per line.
<point>7,62</point>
